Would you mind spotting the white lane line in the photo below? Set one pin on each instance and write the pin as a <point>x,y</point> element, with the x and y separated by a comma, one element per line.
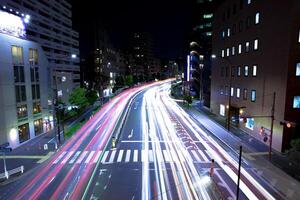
<point>89,157</point>
<point>143,155</point>
<point>159,157</point>
<point>150,155</point>
<point>135,156</point>
<point>196,156</point>
<point>97,156</point>
<point>67,157</point>
<point>127,156</point>
<point>112,156</point>
<point>167,156</point>
<point>74,157</point>
<point>104,156</point>
<point>120,156</point>
<point>205,159</point>
<point>59,157</point>
<point>81,157</point>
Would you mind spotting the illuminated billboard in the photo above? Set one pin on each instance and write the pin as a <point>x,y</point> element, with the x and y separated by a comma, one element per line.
<point>12,24</point>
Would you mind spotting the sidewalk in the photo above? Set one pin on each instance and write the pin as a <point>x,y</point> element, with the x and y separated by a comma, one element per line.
<point>254,152</point>
<point>38,149</point>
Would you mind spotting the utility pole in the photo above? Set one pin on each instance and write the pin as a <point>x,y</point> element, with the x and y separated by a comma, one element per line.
<point>239,174</point>
<point>272,125</point>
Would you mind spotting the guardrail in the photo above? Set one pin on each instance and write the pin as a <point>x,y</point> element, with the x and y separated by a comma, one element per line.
<point>8,173</point>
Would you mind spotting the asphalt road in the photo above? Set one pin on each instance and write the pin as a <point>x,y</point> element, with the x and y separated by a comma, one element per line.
<point>161,154</point>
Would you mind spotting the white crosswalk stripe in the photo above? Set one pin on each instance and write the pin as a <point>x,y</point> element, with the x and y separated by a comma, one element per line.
<point>126,156</point>
<point>112,156</point>
<point>120,156</point>
<point>97,156</point>
<point>89,157</point>
<point>74,157</point>
<point>67,157</point>
<point>82,156</point>
<point>59,157</point>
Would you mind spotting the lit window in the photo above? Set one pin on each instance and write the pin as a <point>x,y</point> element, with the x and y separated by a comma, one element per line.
<point>246,72</point>
<point>227,52</point>
<point>59,93</point>
<point>245,94</point>
<point>238,92</point>
<point>207,16</point>
<point>248,1</point>
<point>233,51</point>
<point>257,18</point>
<point>298,69</point>
<point>256,44</point>
<point>253,95</point>
<point>299,36</point>
<point>240,48</point>
<point>17,55</point>
<point>296,103</point>
<point>247,46</point>
<point>33,56</point>
<point>223,34</point>
<point>221,90</point>
<point>239,71</point>
<point>223,53</point>
<point>232,91</point>
<point>228,32</point>
<point>222,110</point>
<point>254,70</point>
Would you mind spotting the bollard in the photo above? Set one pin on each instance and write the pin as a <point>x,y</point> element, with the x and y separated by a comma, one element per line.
<point>212,167</point>
<point>113,142</point>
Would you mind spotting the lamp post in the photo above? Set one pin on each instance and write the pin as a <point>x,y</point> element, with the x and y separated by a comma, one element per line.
<point>58,109</point>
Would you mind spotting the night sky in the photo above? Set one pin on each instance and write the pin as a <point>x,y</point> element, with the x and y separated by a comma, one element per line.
<point>168,21</point>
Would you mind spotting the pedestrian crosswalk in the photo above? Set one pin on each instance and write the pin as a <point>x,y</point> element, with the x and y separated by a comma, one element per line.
<point>129,156</point>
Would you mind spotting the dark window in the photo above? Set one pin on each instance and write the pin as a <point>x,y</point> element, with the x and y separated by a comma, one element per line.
<point>23,132</point>
<point>34,73</point>
<point>20,93</point>
<point>241,4</point>
<point>232,71</point>
<point>35,88</point>
<point>226,71</point>
<point>245,94</point>
<point>19,74</point>
<point>222,71</point>
<point>241,26</point>
<point>234,9</point>
<point>233,29</point>
<point>228,13</point>
<point>248,22</point>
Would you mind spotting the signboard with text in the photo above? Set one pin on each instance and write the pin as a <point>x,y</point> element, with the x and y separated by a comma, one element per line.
<point>12,25</point>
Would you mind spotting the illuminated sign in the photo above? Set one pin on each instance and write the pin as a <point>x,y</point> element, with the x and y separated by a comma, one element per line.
<point>12,24</point>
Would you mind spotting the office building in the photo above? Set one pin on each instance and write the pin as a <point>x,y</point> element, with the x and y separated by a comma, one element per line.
<point>25,85</point>
<point>51,27</point>
<point>257,55</point>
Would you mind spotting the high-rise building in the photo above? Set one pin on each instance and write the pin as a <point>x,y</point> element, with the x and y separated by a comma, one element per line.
<point>201,42</point>
<point>51,27</point>
<point>257,56</point>
<point>24,82</point>
<point>142,55</point>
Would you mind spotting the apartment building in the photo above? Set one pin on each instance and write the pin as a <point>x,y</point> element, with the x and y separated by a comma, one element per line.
<point>257,54</point>
<point>51,27</point>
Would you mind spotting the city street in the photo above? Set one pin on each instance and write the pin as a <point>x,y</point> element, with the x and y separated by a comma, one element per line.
<point>161,153</point>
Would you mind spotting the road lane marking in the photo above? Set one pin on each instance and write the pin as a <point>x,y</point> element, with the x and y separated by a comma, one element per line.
<point>135,156</point>
<point>150,155</point>
<point>67,157</point>
<point>74,157</point>
<point>104,156</point>
<point>205,159</point>
<point>167,156</point>
<point>81,157</point>
<point>97,156</point>
<point>127,156</point>
<point>131,134</point>
<point>112,156</point>
<point>120,156</point>
<point>196,156</point>
<point>59,157</point>
<point>89,157</point>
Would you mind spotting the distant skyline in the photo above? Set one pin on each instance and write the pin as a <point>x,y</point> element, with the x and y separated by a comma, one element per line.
<point>169,22</point>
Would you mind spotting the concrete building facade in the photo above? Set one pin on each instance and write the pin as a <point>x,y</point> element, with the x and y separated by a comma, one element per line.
<point>51,26</point>
<point>257,55</point>
<point>24,91</point>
